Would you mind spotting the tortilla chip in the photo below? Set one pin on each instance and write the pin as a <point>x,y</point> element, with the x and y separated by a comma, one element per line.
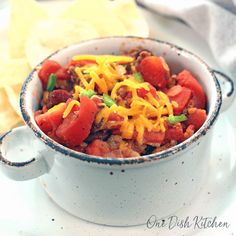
<point>50,35</point>
<point>24,14</point>
<point>13,94</point>
<point>13,72</point>
<point>8,117</point>
<point>3,48</point>
<point>129,14</point>
<point>96,13</point>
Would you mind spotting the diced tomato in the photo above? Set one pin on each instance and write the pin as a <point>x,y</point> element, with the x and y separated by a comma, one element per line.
<point>153,91</point>
<point>155,71</point>
<point>77,125</point>
<point>44,109</point>
<point>52,135</point>
<point>48,67</point>
<point>189,132</point>
<point>197,118</point>
<point>141,92</point>
<point>62,74</point>
<point>49,121</point>
<point>186,79</point>
<point>98,100</point>
<point>74,108</point>
<point>181,96</point>
<point>81,62</point>
<point>175,90</point>
<point>68,101</point>
<point>115,117</point>
<point>128,95</point>
<point>37,113</point>
<point>175,133</point>
<point>153,137</point>
<point>116,131</point>
<point>97,148</point>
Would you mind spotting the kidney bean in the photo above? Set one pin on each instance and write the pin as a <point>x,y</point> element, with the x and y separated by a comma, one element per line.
<point>57,96</point>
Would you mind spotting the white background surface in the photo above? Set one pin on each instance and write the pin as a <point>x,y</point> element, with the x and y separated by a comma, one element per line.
<point>26,210</point>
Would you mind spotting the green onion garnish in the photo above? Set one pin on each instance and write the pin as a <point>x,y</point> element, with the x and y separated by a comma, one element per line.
<point>108,100</point>
<point>51,82</point>
<point>176,119</point>
<point>138,77</point>
<point>88,93</point>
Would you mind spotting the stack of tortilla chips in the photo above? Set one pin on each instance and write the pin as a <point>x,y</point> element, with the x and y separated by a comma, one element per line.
<point>37,29</point>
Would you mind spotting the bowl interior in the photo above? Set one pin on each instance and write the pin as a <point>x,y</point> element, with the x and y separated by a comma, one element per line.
<point>177,58</point>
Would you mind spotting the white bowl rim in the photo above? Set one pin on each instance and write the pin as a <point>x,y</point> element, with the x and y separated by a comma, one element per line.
<point>132,160</point>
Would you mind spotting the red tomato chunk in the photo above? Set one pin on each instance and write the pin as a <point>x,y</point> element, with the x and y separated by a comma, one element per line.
<point>181,96</point>
<point>196,118</point>
<point>49,121</point>
<point>186,79</point>
<point>76,126</point>
<point>47,69</point>
<point>154,71</point>
<point>98,148</point>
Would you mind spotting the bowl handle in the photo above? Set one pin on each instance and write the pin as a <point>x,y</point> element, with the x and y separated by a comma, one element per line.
<point>227,87</point>
<point>22,143</point>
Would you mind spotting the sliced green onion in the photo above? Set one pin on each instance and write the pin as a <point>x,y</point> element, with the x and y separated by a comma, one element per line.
<point>138,77</point>
<point>108,100</point>
<point>51,82</point>
<point>88,93</point>
<point>176,119</point>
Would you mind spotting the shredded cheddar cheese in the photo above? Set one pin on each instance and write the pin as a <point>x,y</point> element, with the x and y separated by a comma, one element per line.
<point>175,104</point>
<point>109,58</point>
<point>77,91</point>
<point>81,77</point>
<point>142,114</point>
<point>56,107</point>
<point>149,113</point>
<point>100,82</point>
<point>103,116</point>
<point>69,107</point>
<point>103,75</point>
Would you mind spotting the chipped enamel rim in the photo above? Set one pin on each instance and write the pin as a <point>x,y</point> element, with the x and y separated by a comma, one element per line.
<point>132,160</point>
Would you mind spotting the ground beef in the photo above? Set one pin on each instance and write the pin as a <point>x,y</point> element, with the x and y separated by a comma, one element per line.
<point>119,148</point>
<point>102,135</point>
<point>114,142</point>
<point>57,96</point>
<point>141,55</point>
<point>124,96</point>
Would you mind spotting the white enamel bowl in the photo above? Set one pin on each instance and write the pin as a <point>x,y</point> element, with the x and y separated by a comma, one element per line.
<point>109,191</point>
